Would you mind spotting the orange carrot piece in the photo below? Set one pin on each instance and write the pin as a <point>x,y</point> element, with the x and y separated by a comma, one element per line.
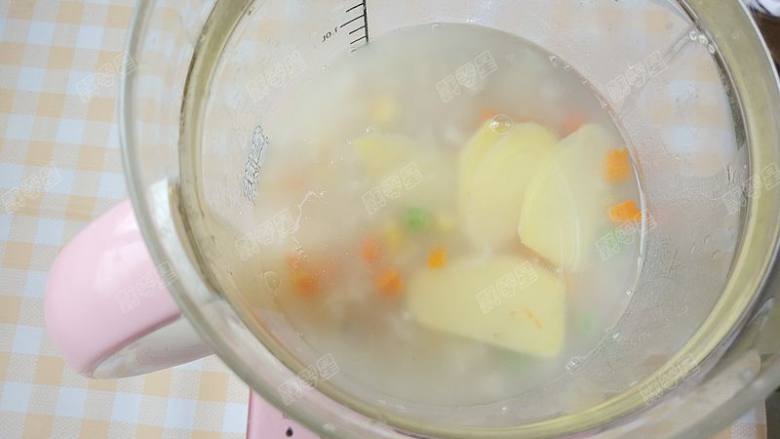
<point>306,283</point>
<point>370,251</point>
<point>625,212</point>
<point>617,166</point>
<point>389,282</point>
<point>572,123</point>
<point>437,258</point>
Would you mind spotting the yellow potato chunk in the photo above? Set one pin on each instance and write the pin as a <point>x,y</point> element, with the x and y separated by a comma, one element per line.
<point>492,194</point>
<point>471,156</point>
<point>505,301</point>
<point>566,203</point>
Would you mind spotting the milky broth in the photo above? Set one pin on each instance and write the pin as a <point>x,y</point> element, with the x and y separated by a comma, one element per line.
<point>340,238</point>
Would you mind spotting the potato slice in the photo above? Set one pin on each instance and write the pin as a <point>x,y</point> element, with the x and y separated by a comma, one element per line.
<point>471,156</point>
<point>491,198</point>
<point>505,301</point>
<point>566,203</point>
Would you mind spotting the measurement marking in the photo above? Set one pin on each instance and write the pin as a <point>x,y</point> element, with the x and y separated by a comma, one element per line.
<point>363,27</point>
<point>351,21</point>
<point>365,19</point>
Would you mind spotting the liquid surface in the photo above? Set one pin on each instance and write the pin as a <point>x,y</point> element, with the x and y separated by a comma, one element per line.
<point>449,212</point>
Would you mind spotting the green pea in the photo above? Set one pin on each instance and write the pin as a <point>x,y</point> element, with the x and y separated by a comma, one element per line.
<point>416,219</point>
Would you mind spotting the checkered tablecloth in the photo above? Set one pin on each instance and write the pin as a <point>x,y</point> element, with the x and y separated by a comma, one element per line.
<point>60,168</point>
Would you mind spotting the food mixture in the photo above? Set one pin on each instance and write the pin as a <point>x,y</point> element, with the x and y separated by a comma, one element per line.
<point>449,208</point>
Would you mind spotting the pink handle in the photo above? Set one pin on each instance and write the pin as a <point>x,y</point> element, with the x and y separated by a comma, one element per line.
<point>266,421</point>
<point>106,300</point>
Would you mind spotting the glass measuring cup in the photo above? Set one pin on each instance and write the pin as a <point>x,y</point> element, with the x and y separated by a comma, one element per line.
<point>699,130</point>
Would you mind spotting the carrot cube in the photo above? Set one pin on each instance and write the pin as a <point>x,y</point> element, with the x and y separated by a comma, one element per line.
<point>617,166</point>
<point>625,212</point>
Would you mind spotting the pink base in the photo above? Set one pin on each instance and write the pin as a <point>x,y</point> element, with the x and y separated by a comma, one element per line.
<point>267,422</point>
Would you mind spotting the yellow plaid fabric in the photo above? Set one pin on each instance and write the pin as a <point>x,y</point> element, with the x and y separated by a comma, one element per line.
<point>59,169</point>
